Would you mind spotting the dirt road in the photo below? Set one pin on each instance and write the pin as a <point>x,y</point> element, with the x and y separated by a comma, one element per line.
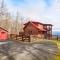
<point>28,51</point>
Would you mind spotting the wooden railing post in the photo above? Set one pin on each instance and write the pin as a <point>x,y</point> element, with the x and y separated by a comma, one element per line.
<point>57,37</point>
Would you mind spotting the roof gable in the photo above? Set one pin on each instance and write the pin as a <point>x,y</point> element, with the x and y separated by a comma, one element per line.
<point>3,29</point>
<point>34,24</point>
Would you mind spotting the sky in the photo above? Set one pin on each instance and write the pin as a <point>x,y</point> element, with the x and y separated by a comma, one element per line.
<point>45,11</point>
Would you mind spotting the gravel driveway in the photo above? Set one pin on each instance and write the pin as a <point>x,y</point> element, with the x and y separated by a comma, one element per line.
<point>28,51</point>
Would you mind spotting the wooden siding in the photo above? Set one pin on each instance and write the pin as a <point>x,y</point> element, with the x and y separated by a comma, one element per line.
<point>30,30</point>
<point>3,34</point>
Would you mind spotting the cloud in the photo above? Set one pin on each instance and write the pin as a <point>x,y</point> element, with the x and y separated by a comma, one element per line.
<point>46,11</point>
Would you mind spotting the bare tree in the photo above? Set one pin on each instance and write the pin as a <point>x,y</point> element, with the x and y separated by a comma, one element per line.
<point>16,22</point>
<point>3,13</point>
<point>7,22</point>
<point>21,23</point>
<point>4,16</point>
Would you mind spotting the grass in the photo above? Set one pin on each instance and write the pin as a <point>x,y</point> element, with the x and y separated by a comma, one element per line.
<point>56,42</point>
<point>58,53</point>
<point>57,57</point>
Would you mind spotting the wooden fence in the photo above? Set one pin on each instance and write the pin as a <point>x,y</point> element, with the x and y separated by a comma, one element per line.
<point>55,37</point>
<point>20,38</point>
<point>27,38</point>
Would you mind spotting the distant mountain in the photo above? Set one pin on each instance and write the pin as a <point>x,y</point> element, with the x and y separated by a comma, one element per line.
<point>56,32</point>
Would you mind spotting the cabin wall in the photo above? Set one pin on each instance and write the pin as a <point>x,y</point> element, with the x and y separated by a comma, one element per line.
<point>3,35</point>
<point>30,29</point>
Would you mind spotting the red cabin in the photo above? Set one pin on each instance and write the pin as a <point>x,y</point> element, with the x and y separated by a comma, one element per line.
<point>37,28</point>
<point>3,34</point>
